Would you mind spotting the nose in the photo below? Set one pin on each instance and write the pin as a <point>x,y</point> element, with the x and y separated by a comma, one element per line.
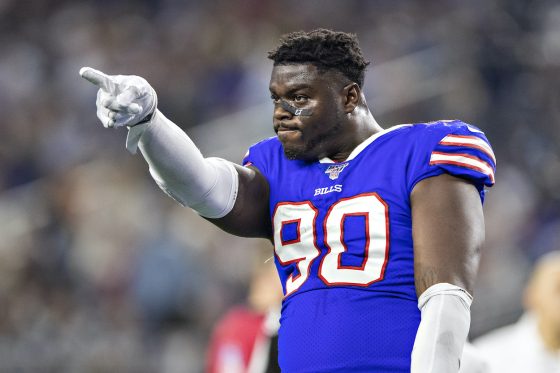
<point>280,113</point>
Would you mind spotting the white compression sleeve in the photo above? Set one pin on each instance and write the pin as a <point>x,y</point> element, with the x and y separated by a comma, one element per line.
<point>207,185</point>
<point>443,329</point>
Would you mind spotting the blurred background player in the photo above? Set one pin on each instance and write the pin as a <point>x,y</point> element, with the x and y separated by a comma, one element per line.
<point>245,339</point>
<point>532,344</point>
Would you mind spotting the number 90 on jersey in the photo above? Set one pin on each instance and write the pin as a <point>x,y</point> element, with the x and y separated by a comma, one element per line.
<point>303,247</point>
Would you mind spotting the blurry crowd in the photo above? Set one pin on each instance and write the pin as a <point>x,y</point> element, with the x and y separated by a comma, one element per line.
<point>100,271</point>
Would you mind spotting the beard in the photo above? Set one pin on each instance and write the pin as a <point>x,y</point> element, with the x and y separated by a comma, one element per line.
<point>292,154</point>
<point>315,148</point>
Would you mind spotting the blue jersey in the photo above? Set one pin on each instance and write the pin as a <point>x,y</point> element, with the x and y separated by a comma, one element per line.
<point>343,242</point>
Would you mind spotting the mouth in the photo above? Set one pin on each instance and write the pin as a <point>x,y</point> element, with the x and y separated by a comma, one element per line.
<point>286,134</point>
<point>285,129</point>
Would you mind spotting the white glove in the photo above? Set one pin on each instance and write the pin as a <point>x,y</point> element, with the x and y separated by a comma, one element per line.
<point>122,100</point>
<point>208,186</point>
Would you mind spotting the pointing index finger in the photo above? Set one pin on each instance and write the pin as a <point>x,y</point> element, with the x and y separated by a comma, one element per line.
<point>102,80</point>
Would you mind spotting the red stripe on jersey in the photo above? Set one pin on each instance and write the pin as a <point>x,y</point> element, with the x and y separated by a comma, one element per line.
<point>469,142</point>
<point>463,160</point>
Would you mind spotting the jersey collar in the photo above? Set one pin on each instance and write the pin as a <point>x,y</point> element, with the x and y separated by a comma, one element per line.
<point>364,144</point>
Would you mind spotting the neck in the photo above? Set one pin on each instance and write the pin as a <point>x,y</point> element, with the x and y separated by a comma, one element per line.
<point>363,126</point>
<point>369,124</point>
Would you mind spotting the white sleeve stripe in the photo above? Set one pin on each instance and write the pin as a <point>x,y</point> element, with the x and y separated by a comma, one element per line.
<point>471,142</point>
<point>463,160</point>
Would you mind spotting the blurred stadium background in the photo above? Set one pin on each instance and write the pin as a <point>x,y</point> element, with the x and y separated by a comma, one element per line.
<point>100,271</point>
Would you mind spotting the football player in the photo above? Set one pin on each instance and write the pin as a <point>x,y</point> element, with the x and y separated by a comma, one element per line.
<point>376,232</point>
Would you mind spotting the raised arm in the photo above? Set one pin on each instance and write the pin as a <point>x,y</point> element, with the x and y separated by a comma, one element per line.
<point>448,231</point>
<point>234,198</point>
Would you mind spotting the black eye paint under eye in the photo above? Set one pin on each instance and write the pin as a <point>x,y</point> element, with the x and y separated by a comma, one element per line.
<point>294,110</point>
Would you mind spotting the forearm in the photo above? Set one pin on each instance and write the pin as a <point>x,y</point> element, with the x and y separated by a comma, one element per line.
<point>443,329</point>
<point>208,185</point>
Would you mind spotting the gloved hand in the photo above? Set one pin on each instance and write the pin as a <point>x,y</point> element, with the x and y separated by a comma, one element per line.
<point>122,100</point>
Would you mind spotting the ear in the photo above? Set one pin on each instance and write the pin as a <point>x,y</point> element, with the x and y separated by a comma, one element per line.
<point>351,93</point>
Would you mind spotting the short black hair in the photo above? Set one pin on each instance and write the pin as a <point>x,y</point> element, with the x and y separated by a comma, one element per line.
<point>326,49</point>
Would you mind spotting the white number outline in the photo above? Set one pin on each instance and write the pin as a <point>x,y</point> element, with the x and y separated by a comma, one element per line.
<point>377,273</point>
<point>304,262</point>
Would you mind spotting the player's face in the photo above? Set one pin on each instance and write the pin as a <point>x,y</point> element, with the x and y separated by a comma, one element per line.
<point>303,86</point>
